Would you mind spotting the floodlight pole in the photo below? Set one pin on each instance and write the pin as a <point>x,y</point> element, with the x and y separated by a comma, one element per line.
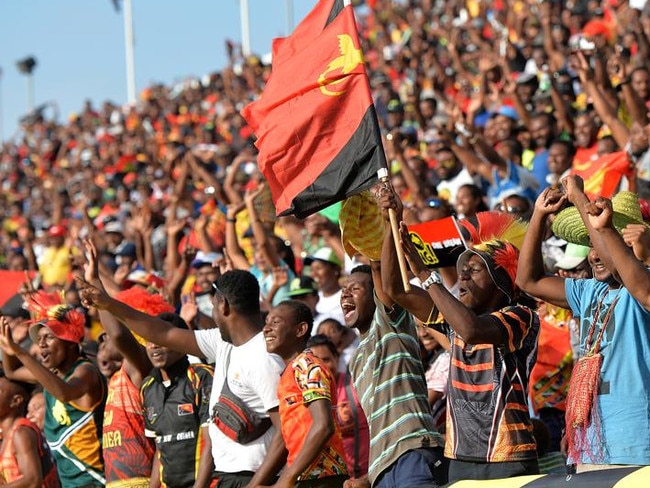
<point>1,115</point>
<point>129,50</point>
<point>30,91</point>
<point>289,17</point>
<point>245,28</point>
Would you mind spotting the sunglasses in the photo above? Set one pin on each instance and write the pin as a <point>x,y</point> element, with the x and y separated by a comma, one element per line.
<point>510,210</point>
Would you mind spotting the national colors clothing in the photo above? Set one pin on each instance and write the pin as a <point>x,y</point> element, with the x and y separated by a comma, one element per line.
<point>128,454</point>
<point>73,434</point>
<point>551,374</point>
<point>388,376</point>
<point>353,424</point>
<point>305,380</point>
<point>9,469</point>
<point>174,415</point>
<point>487,411</point>
<point>604,176</point>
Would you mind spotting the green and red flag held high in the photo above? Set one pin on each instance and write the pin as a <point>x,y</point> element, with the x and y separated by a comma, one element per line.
<point>316,126</point>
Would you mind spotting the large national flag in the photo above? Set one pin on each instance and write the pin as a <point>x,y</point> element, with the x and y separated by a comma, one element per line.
<point>315,123</point>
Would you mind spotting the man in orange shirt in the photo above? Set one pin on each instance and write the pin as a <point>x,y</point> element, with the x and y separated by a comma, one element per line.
<point>307,391</point>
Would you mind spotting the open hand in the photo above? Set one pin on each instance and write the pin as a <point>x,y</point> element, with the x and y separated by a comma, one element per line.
<point>7,343</point>
<point>189,309</point>
<point>411,254</point>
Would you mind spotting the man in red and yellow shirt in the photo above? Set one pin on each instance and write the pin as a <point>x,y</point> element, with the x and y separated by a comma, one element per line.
<point>306,392</point>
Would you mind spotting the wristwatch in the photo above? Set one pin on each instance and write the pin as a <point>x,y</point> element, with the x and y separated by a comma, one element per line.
<point>433,279</point>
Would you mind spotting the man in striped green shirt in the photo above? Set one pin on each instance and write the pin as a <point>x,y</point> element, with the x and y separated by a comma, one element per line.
<point>405,449</point>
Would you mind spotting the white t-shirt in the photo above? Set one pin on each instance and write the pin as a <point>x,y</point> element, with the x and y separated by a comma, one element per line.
<point>330,307</point>
<point>448,189</point>
<point>253,375</point>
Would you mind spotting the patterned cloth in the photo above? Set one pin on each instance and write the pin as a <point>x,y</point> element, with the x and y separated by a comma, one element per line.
<point>306,379</point>
<point>487,414</point>
<point>9,468</point>
<point>362,226</point>
<point>549,379</point>
<point>128,454</point>
<point>73,437</point>
<point>389,378</point>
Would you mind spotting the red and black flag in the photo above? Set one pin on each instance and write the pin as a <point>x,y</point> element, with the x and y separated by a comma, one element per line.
<point>316,126</point>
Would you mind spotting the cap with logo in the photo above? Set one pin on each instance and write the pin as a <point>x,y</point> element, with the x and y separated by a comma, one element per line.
<point>300,286</point>
<point>325,255</point>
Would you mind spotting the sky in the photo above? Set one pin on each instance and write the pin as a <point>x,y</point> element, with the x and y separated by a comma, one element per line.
<point>79,46</point>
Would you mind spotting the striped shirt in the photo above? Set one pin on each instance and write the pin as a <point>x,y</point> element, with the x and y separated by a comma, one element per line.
<point>388,376</point>
<point>487,410</point>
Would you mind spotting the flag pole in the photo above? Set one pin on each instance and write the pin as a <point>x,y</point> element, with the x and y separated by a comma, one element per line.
<point>382,174</point>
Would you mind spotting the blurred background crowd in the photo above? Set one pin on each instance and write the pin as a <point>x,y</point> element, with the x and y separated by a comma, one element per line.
<point>482,105</point>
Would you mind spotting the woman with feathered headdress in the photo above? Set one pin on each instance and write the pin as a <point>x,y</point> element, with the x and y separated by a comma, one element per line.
<point>493,344</point>
<point>74,388</point>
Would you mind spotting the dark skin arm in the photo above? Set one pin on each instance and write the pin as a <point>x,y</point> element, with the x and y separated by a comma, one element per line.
<point>321,430</point>
<point>474,329</point>
<point>151,328</point>
<point>206,465</point>
<point>137,364</point>
<point>276,455</point>
<point>633,273</point>
<point>531,277</point>
<point>25,444</point>
<point>154,481</point>
<point>233,248</point>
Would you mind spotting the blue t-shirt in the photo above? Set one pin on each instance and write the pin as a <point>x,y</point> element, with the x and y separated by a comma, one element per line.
<point>540,169</point>
<point>266,283</point>
<point>624,391</point>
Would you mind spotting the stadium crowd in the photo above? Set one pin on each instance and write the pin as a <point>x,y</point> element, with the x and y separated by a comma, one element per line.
<point>172,331</point>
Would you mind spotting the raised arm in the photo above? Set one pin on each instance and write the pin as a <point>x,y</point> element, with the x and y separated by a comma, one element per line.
<point>473,328</point>
<point>137,363</point>
<point>83,386</point>
<point>151,328</point>
<point>531,277</point>
<point>633,273</point>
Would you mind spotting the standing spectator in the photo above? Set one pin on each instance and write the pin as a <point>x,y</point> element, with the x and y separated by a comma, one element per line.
<point>74,388</point>
<point>493,341</point>
<point>325,270</point>
<point>608,394</point>
<point>25,458</point>
<point>405,449</point>
<point>238,349</point>
<point>54,264</point>
<point>307,392</point>
<point>175,398</point>
<point>349,414</point>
